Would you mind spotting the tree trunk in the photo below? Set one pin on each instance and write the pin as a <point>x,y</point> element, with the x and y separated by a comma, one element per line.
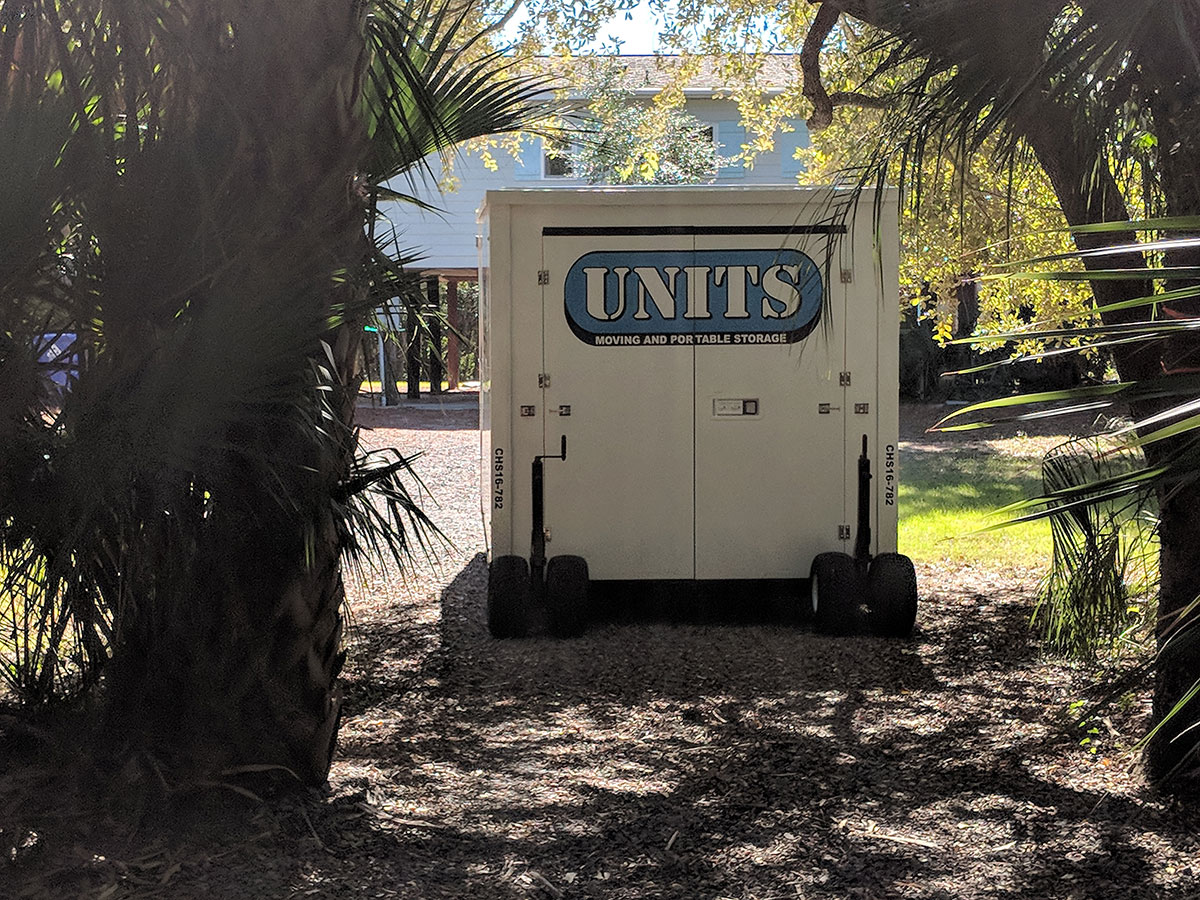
<point>227,654</point>
<point>1075,161</point>
<point>433,308</point>
<point>435,354</point>
<point>1173,93</point>
<point>1085,201</point>
<point>393,365</point>
<point>1089,194</point>
<point>302,634</point>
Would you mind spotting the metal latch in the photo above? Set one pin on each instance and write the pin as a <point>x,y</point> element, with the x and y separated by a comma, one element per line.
<point>844,379</point>
<point>546,533</point>
<point>862,408</point>
<point>843,532</point>
<point>543,276</point>
<point>825,409</point>
<point>564,410</point>
<point>543,381</point>
<point>527,411</point>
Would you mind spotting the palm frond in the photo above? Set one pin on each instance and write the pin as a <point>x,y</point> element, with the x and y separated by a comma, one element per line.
<point>1099,586</point>
<point>433,84</point>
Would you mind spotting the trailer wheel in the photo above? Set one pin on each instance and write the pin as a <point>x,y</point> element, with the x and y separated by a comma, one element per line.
<point>508,597</point>
<point>836,589</point>
<point>893,582</point>
<point>567,595</point>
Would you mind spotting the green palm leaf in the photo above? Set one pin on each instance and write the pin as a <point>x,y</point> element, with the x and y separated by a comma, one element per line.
<point>433,84</point>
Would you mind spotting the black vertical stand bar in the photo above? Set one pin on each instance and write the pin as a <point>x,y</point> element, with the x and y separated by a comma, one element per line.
<point>862,545</point>
<point>537,540</point>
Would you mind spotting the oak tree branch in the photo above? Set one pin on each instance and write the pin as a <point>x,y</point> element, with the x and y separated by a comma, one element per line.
<point>810,68</point>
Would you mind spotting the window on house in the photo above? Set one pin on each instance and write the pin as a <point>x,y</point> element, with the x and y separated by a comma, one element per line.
<point>556,160</point>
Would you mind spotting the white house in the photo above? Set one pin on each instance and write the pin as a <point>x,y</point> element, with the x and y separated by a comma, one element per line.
<point>445,241</point>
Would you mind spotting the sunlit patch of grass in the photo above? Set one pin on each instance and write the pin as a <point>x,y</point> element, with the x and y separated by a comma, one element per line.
<point>949,492</point>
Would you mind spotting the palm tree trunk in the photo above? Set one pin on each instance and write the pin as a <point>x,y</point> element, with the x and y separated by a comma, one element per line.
<point>1174,98</point>
<point>394,366</point>
<point>1089,194</point>
<point>324,53</point>
<point>229,652</point>
<point>1086,202</point>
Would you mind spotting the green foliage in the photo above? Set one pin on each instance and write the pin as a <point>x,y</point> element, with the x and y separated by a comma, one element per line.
<point>963,213</point>
<point>434,82</point>
<point>468,324</point>
<point>1106,497</point>
<point>202,291</point>
<point>1098,596</point>
<point>188,204</point>
<point>50,644</point>
<point>964,218</point>
<point>621,140</point>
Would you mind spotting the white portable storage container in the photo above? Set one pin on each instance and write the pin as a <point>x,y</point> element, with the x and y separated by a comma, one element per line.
<point>711,363</point>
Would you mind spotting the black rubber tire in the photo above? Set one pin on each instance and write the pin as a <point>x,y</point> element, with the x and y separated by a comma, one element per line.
<point>567,596</point>
<point>837,590</point>
<point>893,583</point>
<point>508,597</point>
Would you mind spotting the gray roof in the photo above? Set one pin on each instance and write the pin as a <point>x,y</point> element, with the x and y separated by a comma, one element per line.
<point>650,74</point>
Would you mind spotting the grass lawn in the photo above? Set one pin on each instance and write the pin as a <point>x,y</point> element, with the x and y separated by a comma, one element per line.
<point>948,491</point>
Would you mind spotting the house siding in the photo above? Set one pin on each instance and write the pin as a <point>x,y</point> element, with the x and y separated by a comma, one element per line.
<point>446,240</point>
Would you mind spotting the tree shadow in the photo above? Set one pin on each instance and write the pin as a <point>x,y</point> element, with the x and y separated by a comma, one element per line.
<point>455,416</point>
<point>650,760</point>
<point>653,760</point>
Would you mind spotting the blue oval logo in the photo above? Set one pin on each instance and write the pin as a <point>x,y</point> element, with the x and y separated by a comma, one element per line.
<point>680,297</point>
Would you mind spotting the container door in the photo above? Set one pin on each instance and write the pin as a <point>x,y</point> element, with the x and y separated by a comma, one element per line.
<point>618,382</point>
<point>770,417</point>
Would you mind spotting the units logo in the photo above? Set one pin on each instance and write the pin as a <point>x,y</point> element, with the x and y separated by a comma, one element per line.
<point>680,297</point>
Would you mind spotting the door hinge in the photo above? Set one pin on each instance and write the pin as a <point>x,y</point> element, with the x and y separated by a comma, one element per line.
<point>844,379</point>
<point>843,532</point>
<point>543,276</point>
<point>847,276</point>
<point>546,533</point>
<point>543,381</point>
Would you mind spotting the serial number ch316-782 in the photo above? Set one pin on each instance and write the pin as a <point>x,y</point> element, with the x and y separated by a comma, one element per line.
<point>498,478</point>
<point>889,475</point>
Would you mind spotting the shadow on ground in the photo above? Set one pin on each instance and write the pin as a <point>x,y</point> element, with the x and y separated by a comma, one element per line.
<point>648,760</point>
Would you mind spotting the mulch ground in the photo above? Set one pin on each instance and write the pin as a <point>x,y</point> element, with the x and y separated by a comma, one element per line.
<point>650,760</point>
